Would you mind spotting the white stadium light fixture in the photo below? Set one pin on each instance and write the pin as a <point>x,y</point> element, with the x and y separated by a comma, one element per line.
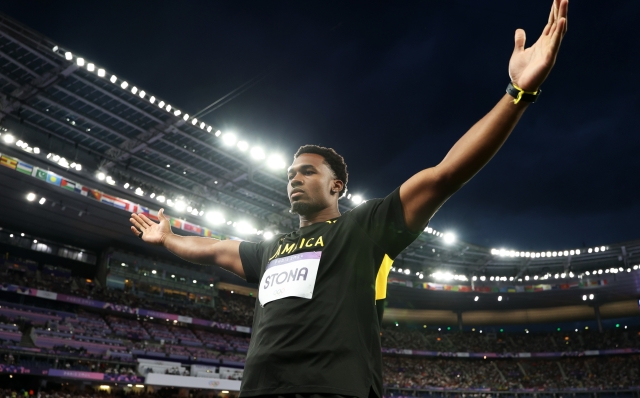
<point>168,108</point>
<point>91,67</point>
<point>189,208</point>
<point>113,79</point>
<point>80,61</point>
<point>152,99</point>
<point>180,205</point>
<point>161,104</point>
<point>142,93</point>
<point>41,201</point>
<point>257,153</point>
<point>194,121</point>
<point>31,196</point>
<point>449,238</point>
<point>134,90</point>
<point>68,56</point>
<point>101,72</point>
<point>499,298</point>
<point>243,145</point>
<point>126,185</point>
<point>218,133</point>
<point>124,84</point>
<point>153,195</point>
<point>229,139</point>
<point>185,117</point>
<point>101,176</point>
<point>202,124</point>
<point>54,49</point>
<point>161,198</point>
<point>476,298</point>
<point>275,162</point>
<point>8,138</point>
<point>36,150</point>
<point>209,128</point>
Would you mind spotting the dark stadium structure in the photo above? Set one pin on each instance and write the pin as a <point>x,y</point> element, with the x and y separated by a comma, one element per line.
<point>86,306</point>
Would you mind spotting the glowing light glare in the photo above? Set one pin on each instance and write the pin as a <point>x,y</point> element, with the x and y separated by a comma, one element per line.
<point>449,238</point>
<point>276,162</point>
<point>209,128</point>
<point>229,139</point>
<point>113,79</point>
<point>180,205</point>
<point>499,298</point>
<point>31,196</point>
<point>139,191</point>
<point>476,298</point>
<point>152,99</point>
<point>8,138</point>
<point>68,56</point>
<point>185,117</point>
<point>257,153</point>
<point>161,198</point>
<point>80,61</point>
<point>153,195</point>
<point>591,297</point>
<point>243,145</point>
<point>161,104</point>
<point>42,200</point>
<point>194,121</point>
<point>36,150</point>
<point>268,235</point>
<point>245,228</point>
<point>126,185</point>
<point>357,199</point>
<point>91,67</point>
<point>124,84</point>
<point>101,72</point>
<point>202,124</point>
<point>101,176</point>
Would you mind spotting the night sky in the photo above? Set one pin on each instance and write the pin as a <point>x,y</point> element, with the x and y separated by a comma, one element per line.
<point>392,86</point>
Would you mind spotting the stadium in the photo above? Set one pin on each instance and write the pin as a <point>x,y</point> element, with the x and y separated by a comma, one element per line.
<point>86,308</point>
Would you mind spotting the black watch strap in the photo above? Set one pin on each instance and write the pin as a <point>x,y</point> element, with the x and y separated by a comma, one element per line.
<point>521,95</point>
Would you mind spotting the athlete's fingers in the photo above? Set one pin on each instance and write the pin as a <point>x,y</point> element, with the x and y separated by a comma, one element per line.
<point>145,220</point>
<point>135,231</point>
<point>137,224</point>
<point>161,215</point>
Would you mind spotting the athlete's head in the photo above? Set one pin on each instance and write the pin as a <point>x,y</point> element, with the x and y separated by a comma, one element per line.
<point>317,179</point>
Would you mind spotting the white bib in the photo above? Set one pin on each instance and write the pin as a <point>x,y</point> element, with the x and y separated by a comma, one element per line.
<point>291,276</point>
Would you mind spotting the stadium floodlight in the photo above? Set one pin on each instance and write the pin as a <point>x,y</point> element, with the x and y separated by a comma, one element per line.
<point>602,248</point>
<point>483,278</point>
<point>584,297</point>
<point>168,108</point>
<point>78,167</point>
<point>194,121</point>
<point>526,277</point>
<point>499,298</point>
<point>276,162</point>
<point>153,271</point>
<point>209,128</point>
<point>8,138</point>
<point>491,279</point>
<point>134,90</point>
<point>194,212</point>
<point>421,276</point>
<point>68,56</point>
<point>101,176</point>
<point>80,61</point>
<point>42,201</point>
<point>229,139</point>
<point>152,99</point>
<point>124,84</point>
<point>474,278</point>
<point>357,199</point>
<point>126,185</point>
<point>161,104</point>
<point>185,117</point>
<point>215,218</point>
<point>161,198</point>
<point>245,228</point>
<point>36,150</point>
<point>563,275</point>
<point>243,145</point>
<point>139,191</point>
<point>407,271</point>
<point>591,296</point>
<point>101,72</point>
<point>449,238</point>
<point>31,196</point>
<point>113,79</point>
<point>476,298</point>
<point>111,181</point>
<point>142,93</point>
<point>91,67</point>
<point>202,125</point>
<point>218,133</point>
<point>180,205</point>
<point>195,281</point>
<point>189,208</point>
<point>257,153</point>
<point>268,235</point>
<point>55,48</point>
<point>153,195</point>
<point>587,273</point>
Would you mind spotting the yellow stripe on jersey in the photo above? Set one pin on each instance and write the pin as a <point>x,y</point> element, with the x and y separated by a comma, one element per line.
<point>381,278</point>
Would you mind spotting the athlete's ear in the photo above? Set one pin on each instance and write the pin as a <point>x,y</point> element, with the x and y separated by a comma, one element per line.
<point>336,187</point>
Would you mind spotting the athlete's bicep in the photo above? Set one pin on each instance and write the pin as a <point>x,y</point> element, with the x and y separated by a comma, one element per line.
<point>421,197</point>
<point>226,255</point>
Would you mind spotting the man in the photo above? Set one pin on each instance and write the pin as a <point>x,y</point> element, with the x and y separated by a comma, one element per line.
<point>315,328</point>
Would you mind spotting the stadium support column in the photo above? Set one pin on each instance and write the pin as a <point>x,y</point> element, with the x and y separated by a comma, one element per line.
<point>596,310</point>
<point>459,313</point>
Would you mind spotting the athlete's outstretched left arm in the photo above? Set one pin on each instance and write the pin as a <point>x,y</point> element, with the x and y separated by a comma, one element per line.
<point>424,193</point>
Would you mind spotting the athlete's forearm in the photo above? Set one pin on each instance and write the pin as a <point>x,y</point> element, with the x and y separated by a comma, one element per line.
<point>474,150</point>
<point>194,249</point>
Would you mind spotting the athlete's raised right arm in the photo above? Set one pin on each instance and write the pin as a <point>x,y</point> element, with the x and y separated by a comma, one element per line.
<point>195,249</point>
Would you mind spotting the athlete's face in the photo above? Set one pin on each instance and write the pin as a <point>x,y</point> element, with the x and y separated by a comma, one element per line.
<point>312,185</point>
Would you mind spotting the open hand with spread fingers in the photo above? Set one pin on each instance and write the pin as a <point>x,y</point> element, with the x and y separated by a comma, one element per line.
<point>528,68</point>
<point>150,231</point>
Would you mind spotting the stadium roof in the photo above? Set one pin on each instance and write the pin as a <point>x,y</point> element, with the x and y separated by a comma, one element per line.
<point>64,104</point>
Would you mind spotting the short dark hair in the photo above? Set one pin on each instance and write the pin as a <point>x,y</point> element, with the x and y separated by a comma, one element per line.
<point>332,159</point>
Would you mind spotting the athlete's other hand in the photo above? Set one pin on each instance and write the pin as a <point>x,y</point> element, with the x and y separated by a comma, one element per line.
<point>528,68</point>
<point>152,232</point>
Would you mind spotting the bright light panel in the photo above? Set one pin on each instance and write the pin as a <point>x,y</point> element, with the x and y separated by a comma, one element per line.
<point>449,238</point>
<point>275,162</point>
<point>215,218</point>
<point>229,139</point>
<point>8,138</point>
<point>257,153</point>
<point>31,196</point>
<point>243,145</point>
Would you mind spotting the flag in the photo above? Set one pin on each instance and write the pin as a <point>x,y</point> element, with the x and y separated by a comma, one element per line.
<point>107,199</point>
<point>176,223</point>
<point>207,232</point>
<point>191,227</point>
<point>94,194</point>
<point>24,168</point>
<point>66,184</point>
<point>120,203</point>
<point>53,178</point>
<point>41,174</point>
<point>84,191</point>
<point>131,207</point>
<point>9,162</point>
<point>152,215</point>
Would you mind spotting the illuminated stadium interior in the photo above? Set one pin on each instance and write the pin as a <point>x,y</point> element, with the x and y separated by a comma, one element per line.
<point>83,147</point>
